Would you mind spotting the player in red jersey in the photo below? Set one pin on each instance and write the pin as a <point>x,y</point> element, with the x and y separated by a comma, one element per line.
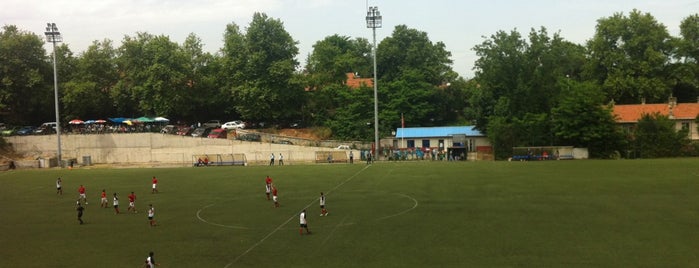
<point>155,185</point>
<point>132,203</point>
<point>103,200</point>
<point>82,196</point>
<point>275,197</point>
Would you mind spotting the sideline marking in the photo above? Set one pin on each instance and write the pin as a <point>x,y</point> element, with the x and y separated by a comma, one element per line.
<point>217,224</point>
<point>291,218</point>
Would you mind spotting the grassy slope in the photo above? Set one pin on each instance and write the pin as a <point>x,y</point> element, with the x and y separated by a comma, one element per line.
<point>558,213</point>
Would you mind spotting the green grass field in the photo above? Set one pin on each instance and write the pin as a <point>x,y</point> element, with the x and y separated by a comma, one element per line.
<point>627,213</point>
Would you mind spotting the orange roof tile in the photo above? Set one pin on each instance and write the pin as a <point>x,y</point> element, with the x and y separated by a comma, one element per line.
<point>356,82</point>
<point>631,113</point>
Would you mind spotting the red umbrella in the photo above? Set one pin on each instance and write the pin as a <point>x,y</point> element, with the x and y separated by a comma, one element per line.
<point>100,121</point>
<point>76,122</point>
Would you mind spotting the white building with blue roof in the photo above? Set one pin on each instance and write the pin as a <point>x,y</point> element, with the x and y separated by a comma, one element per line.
<point>452,141</point>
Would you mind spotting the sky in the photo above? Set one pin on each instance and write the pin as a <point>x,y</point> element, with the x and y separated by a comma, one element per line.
<point>459,24</point>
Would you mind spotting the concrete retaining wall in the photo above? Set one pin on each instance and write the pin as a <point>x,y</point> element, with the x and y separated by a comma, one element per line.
<point>122,148</point>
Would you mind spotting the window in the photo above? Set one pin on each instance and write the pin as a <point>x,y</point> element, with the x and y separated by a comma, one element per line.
<point>425,143</point>
<point>411,143</point>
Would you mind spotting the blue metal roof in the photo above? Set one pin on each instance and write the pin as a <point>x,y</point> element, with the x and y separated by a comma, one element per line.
<point>425,132</point>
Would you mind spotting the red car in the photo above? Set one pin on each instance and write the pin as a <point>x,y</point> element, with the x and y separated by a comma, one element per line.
<point>218,133</point>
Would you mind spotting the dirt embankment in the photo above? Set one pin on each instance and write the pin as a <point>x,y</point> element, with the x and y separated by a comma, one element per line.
<point>304,133</point>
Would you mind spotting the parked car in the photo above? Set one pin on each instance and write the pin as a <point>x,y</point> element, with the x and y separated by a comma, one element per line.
<point>212,124</point>
<point>218,133</point>
<point>201,132</point>
<point>343,147</point>
<point>168,129</point>
<point>44,130</point>
<point>49,124</point>
<point>285,142</point>
<point>233,125</point>
<point>9,131</point>
<point>296,124</point>
<point>184,131</point>
<point>249,137</point>
<point>26,130</point>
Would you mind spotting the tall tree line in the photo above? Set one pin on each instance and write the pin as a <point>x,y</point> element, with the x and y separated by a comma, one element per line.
<point>528,90</point>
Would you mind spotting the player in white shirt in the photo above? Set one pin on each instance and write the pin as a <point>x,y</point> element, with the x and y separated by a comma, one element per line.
<point>59,189</point>
<point>304,223</point>
<point>323,211</point>
<point>116,204</point>
<point>151,214</point>
<point>150,261</point>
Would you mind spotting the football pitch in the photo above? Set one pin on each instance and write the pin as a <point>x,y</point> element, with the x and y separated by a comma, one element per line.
<point>591,213</point>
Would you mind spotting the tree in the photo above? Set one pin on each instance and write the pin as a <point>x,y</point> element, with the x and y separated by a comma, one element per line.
<point>335,56</point>
<point>409,51</point>
<point>352,118</point>
<point>264,85</point>
<point>684,71</point>
<point>516,86</point>
<point>26,85</point>
<point>201,80</point>
<point>581,120</point>
<point>655,136</point>
<point>87,94</point>
<point>154,81</point>
<point>628,58</point>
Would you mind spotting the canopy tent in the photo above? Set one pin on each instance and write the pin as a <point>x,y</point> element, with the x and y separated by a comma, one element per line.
<point>144,119</point>
<point>118,120</point>
<point>161,119</point>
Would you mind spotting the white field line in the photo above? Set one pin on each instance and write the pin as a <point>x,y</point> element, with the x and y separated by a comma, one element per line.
<point>216,224</point>
<point>402,212</point>
<point>291,218</point>
<point>333,230</point>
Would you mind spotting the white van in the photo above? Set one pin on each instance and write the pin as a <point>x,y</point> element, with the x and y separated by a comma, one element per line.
<point>49,124</point>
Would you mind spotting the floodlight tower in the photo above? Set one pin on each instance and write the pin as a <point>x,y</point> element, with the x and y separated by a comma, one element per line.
<point>54,36</point>
<point>373,21</point>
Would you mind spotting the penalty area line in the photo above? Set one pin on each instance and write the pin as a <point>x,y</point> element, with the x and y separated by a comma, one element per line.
<point>290,218</point>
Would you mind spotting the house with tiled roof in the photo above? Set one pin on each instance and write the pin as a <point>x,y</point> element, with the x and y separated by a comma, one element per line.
<point>354,81</point>
<point>684,114</point>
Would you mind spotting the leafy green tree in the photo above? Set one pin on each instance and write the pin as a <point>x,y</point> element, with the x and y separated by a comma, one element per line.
<point>684,71</point>
<point>353,116</point>
<point>263,80</point>
<point>516,85</point>
<point>410,52</point>
<point>628,58</point>
<point>201,69</point>
<point>581,121</point>
<point>26,77</point>
<point>655,136</point>
<point>87,94</point>
<point>412,97</point>
<point>154,78</point>
<point>335,56</point>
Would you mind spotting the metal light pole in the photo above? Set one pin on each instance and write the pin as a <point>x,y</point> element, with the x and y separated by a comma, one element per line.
<point>54,36</point>
<point>373,21</point>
